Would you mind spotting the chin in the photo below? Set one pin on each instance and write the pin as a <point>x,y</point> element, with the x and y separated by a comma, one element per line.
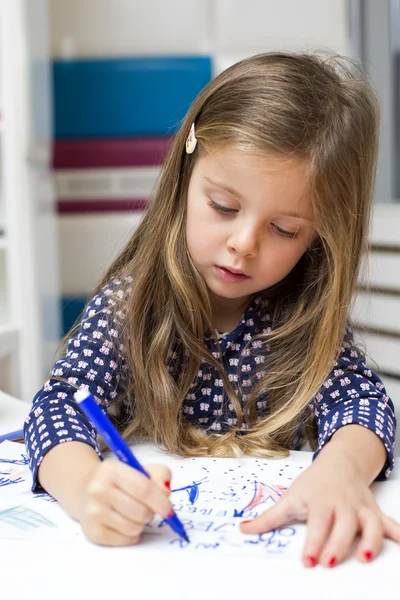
<point>232,294</point>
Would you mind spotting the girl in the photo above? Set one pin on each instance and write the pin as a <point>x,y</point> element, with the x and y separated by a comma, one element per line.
<point>222,328</point>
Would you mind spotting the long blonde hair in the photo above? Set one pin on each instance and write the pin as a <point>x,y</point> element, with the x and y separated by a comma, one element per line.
<point>312,107</point>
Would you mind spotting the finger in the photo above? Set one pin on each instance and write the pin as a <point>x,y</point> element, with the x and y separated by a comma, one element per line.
<point>128,507</point>
<point>391,528</point>
<point>319,525</point>
<point>345,528</point>
<point>138,486</point>
<point>283,513</point>
<point>100,515</point>
<point>371,535</point>
<point>161,475</point>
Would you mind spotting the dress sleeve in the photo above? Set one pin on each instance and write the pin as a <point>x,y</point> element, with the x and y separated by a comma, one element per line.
<point>93,361</point>
<point>353,393</point>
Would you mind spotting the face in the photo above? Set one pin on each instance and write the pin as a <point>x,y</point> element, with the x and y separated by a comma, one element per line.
<point>249,220</point>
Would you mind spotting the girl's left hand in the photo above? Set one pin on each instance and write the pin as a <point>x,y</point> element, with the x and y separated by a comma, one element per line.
<point>338,505</point>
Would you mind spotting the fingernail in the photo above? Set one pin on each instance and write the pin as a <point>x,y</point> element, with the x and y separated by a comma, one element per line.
<point>244,522</point>
<point>332,561</point>
<point>170,514</point>
<point>167,485</point>
<point>310,561</point>
<point>368,555</point>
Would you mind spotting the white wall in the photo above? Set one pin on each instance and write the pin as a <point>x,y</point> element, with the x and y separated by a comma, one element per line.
<point>89,244</point>
<point>227,27</point>
<point>127,27</point>
<point>288,24</point>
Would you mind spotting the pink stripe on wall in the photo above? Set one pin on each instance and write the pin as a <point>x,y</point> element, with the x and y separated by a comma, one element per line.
<point>110,152</point>
<point>101,205</point>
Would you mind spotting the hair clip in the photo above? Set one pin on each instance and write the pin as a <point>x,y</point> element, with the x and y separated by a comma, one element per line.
<point>191,141</point>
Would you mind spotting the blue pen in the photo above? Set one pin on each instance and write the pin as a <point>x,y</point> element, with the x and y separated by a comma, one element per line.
<point>12,435</point>
<point>118,445</point>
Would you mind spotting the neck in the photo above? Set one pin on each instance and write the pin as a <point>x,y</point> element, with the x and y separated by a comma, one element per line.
<point>226,312</point>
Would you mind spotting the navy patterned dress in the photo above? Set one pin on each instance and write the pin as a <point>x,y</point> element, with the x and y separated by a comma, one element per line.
<point>94,361</point>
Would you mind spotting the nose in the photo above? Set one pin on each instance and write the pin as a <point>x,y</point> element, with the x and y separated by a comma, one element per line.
<point>244,239</point>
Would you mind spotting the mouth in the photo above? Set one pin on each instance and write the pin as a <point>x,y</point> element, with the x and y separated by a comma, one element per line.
<point>234,271</point>
<point>231,275</point>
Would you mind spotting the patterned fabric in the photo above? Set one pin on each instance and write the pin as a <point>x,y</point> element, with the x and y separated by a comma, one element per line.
<point>221,335</point>
<point>94,360</point>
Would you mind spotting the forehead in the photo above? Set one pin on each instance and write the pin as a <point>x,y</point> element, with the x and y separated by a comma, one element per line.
<point>254,162</point>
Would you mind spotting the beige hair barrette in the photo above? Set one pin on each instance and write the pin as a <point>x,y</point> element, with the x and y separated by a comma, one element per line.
<point>191,141</point>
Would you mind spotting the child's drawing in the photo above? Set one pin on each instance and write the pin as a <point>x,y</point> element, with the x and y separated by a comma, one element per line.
<point>10,477</point>
<point>211,497</point>
<point>11,470</point>
<point>192,489</point>
<point>23,460</point>
<point>24,518</point>
<point>15,477</point>
<point>263,493</point>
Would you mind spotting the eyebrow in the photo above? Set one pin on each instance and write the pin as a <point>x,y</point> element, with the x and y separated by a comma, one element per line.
<point>235,193</point>
<point>225,187</point>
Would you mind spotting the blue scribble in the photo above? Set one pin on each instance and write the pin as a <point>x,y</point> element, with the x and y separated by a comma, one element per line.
<point>179,542</point>
<point>19,461</point>
<point>206,546</point>
<point>271,540</point>
<point>9,481</point>
<point>44,496</point>
<point>192,489</point>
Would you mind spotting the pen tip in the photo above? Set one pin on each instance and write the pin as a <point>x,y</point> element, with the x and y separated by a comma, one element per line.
<point>185,537</point>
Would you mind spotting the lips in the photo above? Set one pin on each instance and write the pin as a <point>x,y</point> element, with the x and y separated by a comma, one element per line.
<point>229,275</point>
<point>234,271</point>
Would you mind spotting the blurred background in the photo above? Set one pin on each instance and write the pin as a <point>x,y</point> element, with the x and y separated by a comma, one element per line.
<point>91,94</point>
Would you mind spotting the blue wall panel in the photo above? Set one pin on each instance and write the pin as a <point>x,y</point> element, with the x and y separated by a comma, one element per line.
<point>71,310</point>
<point>125,97</point>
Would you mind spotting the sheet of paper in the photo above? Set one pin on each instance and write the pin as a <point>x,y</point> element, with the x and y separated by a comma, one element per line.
<point>15,477</point>
<point>24,515</point>
<point>210,496</point>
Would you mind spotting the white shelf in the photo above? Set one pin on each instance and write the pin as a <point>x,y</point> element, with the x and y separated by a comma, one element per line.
<point>29,291</point>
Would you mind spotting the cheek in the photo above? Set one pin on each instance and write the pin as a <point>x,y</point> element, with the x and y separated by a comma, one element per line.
<point>202,231</point>
<point>283,260</point>
<point>201,240</point>
<point>197,232</point>
<point>195,212</point>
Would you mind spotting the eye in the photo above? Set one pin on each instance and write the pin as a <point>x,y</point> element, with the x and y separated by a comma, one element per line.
<point>284,233</point>
<point>222,209</point>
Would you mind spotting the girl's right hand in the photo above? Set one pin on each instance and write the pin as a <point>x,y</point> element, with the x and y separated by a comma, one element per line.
<point>118,501</point>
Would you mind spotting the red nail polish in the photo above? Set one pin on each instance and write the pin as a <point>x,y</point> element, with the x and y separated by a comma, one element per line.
<point>170,514</point>
<point>368,555</point>
<point>167,485</point>
<point>244,522</point>
<point>311,561</point>
<point>332,561</point>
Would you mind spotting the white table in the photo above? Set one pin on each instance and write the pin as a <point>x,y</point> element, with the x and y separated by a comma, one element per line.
<point>41,571</point>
